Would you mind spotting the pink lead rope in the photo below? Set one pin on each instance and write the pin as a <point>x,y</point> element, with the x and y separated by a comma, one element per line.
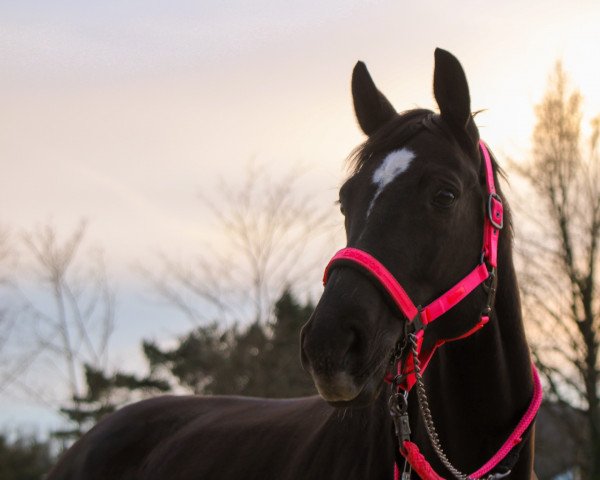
<point>422,467</point>
<point>421,317</point>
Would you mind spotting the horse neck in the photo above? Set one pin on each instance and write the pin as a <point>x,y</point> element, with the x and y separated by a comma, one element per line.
<point>480,386</point>
<point>498,357</point>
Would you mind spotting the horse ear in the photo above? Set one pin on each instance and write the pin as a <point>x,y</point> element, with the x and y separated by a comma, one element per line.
<point>371,107</point>
<point>451,90</point>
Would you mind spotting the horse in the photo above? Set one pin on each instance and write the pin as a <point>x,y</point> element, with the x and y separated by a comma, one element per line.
<point>417,209</point>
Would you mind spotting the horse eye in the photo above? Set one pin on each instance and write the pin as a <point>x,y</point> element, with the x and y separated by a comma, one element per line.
<point>342,209</point>
<point>444,198</point>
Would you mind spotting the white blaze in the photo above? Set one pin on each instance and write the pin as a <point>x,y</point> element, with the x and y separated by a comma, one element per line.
<point>393,165</point>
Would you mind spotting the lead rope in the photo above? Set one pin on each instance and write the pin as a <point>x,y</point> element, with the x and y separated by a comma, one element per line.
<point>426,413</point>
<point>399,407</point>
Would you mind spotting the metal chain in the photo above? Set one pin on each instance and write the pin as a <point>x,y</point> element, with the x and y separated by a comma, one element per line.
<point>426,413</point>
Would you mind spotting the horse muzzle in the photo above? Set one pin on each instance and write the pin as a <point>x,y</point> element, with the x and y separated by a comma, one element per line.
<point>347,342</point>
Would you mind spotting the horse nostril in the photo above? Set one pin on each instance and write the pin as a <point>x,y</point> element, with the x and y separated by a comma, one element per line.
<point>327,351</point>
<point>355,347</point>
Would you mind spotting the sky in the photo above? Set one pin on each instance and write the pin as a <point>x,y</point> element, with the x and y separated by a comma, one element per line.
<point>124,113</point>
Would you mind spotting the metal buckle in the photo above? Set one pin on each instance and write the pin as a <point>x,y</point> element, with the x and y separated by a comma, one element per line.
<point>489,286</point>
<point>398,406</point>
<point>416,324</point>
<point>497,224</point>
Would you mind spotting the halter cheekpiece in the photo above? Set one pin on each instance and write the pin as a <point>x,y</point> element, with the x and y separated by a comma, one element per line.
<point>411,366</point>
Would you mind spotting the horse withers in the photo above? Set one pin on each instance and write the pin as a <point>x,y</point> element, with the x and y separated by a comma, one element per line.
<point>417,210</point>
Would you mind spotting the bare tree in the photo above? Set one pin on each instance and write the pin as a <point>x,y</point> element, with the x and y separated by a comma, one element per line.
<point>6,253</point>
<point>7,318</point>
<point>559,260</point>
<point>270,236</point>
<point>66,315</point>
<point>16,355</point>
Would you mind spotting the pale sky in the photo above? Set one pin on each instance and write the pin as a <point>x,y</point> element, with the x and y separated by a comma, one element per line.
<point>122,112</point>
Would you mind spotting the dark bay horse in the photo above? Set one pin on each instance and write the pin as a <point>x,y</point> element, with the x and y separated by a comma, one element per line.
<point>416,201</point>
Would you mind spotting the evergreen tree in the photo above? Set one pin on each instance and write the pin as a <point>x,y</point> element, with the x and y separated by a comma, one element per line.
<point>287,378</point>
<point>25,458</point>
<point>259,360</point>
<point>105,393</point>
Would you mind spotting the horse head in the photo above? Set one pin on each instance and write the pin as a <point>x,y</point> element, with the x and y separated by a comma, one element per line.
<point>415,201</point>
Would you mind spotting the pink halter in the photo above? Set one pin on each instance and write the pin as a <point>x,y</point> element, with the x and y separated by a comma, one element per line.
<point>419,318</point>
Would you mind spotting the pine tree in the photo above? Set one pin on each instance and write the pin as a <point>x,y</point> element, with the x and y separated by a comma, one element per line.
<point>25,458</point>
<point>104,394</point>
<point>258,360</point>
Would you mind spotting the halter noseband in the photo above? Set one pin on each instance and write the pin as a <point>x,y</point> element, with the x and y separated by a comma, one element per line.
<point>419,317</point>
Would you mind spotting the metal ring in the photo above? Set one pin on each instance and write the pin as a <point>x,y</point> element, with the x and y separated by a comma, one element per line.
<point>398,403</point>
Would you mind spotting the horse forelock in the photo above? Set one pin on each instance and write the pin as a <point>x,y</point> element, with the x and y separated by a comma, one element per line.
<point>398,131</point>
<point>389,137</point>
